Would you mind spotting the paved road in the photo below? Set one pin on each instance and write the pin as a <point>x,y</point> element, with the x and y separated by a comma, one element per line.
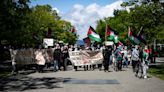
<point>53,82</point>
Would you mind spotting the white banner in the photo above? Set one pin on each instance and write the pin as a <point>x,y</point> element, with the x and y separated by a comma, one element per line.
<point>80,58</point>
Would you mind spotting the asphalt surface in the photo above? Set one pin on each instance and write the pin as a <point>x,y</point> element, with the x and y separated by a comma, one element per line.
<point>50,81</point>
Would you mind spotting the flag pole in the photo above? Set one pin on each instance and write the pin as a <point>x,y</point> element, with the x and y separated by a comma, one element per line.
<point>140,31</point>
<point>105,32</point>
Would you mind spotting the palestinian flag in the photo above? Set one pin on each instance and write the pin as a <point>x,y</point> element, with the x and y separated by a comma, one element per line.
<point>116,39</point>
<point>146,53</point>
<point>142,37</point>
<point>87,41</point>
<point>134,39</point>
<point>93,36</point>
<point>111,34</point>
<point>120,43</point>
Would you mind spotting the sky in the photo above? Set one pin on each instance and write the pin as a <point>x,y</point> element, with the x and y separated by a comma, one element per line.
<point>82,13</point>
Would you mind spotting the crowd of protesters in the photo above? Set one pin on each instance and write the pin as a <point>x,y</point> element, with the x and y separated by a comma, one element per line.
<point>116,57</point>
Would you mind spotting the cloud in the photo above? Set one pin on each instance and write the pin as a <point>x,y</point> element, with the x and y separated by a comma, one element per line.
<point>57,10</point>
<point>83,17</point>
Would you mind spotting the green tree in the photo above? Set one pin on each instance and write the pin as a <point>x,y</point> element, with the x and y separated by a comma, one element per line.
<point>13,20</point>
<point>144,16</point>
<point>19,23</point>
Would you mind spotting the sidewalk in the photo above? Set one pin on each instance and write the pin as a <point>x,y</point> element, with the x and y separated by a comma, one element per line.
<point>160,59</point>
<point>53,82</point>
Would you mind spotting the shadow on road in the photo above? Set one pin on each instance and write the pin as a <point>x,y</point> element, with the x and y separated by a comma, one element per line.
<point>24,83</point>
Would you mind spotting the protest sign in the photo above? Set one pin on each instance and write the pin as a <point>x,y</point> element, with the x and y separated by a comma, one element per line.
<point>80,58</point>
<point>28,56</point>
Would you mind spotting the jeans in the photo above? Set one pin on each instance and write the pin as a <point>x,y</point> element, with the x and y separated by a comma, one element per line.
<point>134,65</point>
<point>65,64</point>
<point>56,66</point>
<point>126,61</point>
<point>110,60</point>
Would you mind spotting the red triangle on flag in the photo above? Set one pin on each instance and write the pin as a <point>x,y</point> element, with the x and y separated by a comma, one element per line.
<point>147,51</point>
<point>120,43</point>
<point>107,32</point>
<point>87,41</point>
<point>90,31</point>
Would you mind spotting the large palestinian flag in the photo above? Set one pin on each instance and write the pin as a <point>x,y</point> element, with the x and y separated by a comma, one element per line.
<point>111,34</point>
<point>132,37</point>
<point>93,35</point>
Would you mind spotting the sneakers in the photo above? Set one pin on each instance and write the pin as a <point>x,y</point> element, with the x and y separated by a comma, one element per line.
<point>145,77</point>
<point>136,75</point>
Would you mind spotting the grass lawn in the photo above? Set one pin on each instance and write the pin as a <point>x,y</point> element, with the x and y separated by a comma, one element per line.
<point>157,71</point>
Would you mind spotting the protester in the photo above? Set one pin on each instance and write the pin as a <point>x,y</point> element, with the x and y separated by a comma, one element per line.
<point>57,58</point>
<point>40,60</point>
<point>65,57</point>
<point>146,53</point>
<point>135,58</point>
<point>125,57</point>
<point>107,53</point>
<point>14,65</point>
<point>138,65</point>
<point>118,58</point>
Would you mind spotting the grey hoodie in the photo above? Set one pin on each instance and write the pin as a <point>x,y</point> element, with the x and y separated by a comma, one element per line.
<point>135,55</point>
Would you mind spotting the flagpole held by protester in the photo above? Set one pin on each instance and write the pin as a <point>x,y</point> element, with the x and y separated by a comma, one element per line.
<point>106,33</point>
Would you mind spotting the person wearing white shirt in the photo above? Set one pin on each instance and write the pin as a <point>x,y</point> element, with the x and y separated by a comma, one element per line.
<point>125,57</point>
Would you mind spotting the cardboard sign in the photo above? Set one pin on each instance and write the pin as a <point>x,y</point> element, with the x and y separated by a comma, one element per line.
<point>48,42</point>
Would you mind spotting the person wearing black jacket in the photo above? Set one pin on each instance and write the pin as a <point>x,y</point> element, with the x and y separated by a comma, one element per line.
<point>107,52</point>
<point>65,57</point>
<point>57,58</point>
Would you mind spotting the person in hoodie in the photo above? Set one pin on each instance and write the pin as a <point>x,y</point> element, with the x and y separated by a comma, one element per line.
<point>135,57</point>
